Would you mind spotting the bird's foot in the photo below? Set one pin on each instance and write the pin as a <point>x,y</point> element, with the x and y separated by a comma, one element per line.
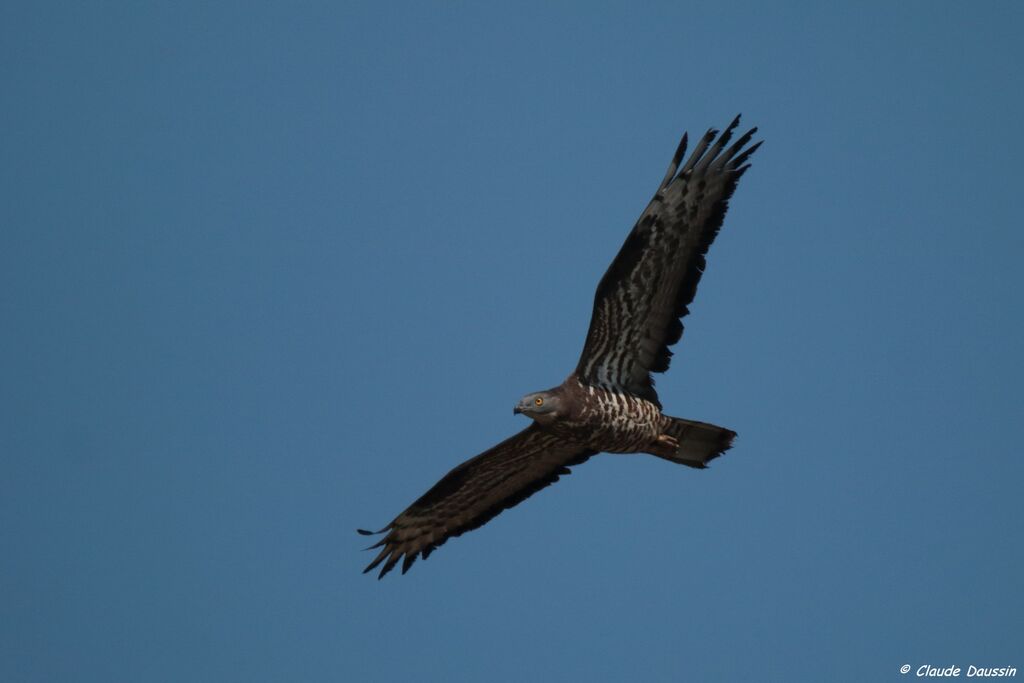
<point>666,445</point>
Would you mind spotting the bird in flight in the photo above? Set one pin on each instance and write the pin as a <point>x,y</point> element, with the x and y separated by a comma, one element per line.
<point>608,403</point>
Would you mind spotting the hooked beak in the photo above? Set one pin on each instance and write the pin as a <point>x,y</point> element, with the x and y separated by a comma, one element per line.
<point>517,410</point>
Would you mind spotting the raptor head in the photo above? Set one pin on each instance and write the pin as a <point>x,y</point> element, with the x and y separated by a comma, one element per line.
<point>542,406</point>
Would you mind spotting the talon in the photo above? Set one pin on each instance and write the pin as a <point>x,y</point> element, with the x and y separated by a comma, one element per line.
<point>669,441</point>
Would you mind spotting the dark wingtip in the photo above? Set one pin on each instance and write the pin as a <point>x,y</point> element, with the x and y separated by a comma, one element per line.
<point>364,532</point>
<point>738,161</point>
<point>677,158</point>
<point>376,545</point>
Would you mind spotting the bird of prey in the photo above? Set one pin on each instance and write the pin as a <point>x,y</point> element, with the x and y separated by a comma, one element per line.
<point>608,403</point>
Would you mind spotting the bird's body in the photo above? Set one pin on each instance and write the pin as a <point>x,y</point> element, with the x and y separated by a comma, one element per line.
<point>606,419</point>
<point>608,403</point>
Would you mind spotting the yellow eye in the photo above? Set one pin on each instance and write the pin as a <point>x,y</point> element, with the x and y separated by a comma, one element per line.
<point>538,401</point>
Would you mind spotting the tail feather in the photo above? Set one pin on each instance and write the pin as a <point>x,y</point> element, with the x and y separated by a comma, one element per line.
<point>698,442</point>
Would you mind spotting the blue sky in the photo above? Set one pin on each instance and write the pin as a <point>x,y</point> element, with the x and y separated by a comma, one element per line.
<point>267,271</point>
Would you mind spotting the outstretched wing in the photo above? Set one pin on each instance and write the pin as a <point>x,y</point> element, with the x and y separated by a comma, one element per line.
<point>647,288</point>
<point>475,492</point>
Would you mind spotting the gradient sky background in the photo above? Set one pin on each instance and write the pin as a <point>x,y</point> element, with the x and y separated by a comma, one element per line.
<point>268,270</point>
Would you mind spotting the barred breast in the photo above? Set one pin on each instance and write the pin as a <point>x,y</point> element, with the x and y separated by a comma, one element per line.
<point>615,421</point>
